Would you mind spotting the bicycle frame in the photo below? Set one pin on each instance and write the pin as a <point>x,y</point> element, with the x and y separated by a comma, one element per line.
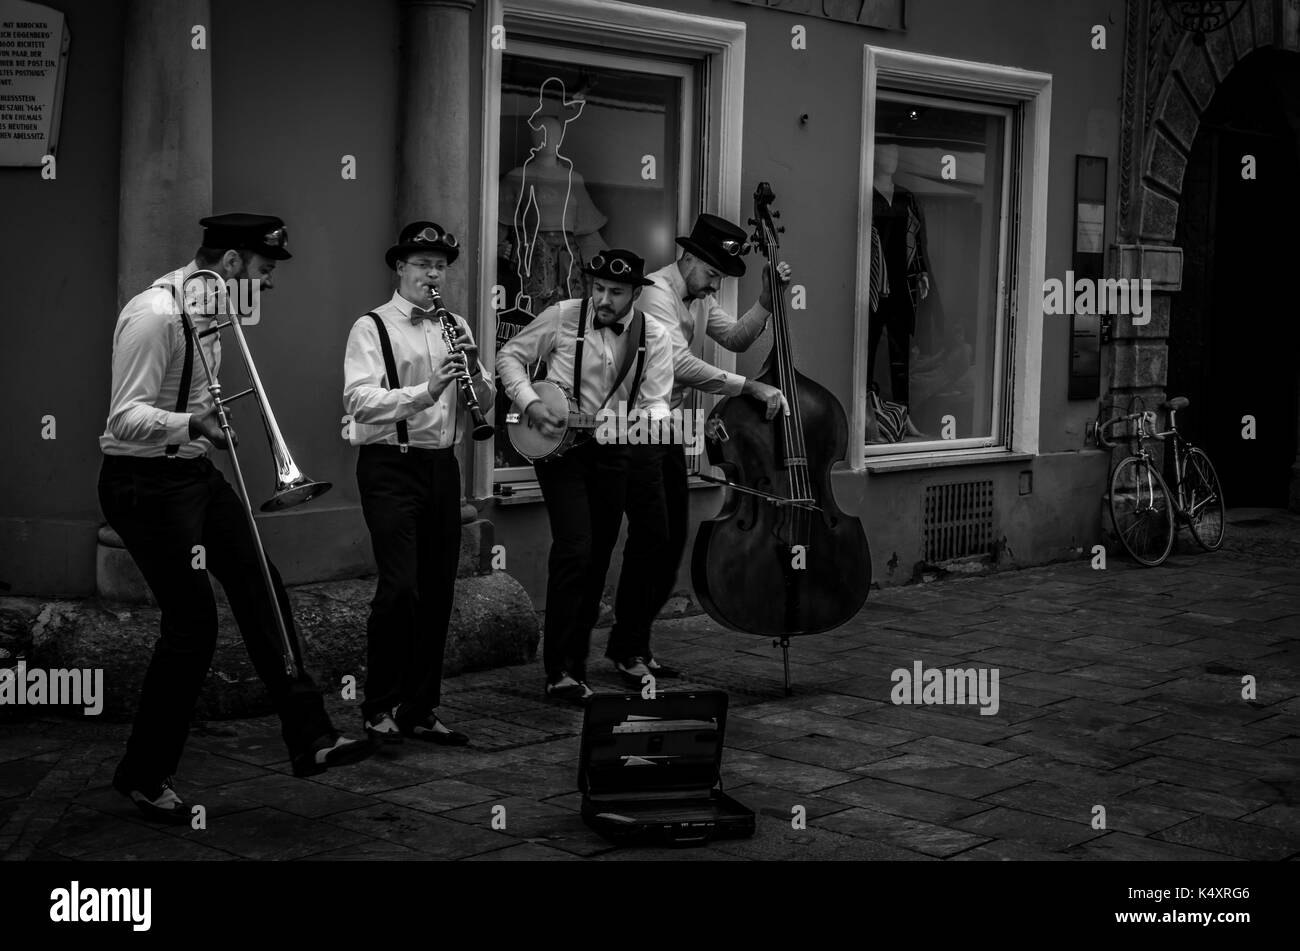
<point>1185,507</point>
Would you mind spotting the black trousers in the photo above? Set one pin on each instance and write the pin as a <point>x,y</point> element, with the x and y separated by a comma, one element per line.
<point>585,491</point>
<point>658,515</point>
<point>411,503</point>
<point>897,318</point>
<point>162,508</point>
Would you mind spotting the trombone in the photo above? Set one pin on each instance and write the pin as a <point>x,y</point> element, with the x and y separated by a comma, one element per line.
<point>292,487</point>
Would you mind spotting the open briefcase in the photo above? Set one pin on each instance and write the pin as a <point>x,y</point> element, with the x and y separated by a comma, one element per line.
<point>649,769</point>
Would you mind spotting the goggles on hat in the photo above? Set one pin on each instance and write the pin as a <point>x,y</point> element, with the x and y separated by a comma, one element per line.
<point>277,238</point>
<point>432,235</point>
<point>735,248</point>
<point>616,265</point>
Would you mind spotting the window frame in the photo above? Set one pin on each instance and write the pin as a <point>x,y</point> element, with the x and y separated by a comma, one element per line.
<point>1019,340</point>
<point>632,33</point>
<point>997,437</point>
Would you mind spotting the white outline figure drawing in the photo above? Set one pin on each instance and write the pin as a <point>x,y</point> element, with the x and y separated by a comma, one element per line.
<point>535,213</point>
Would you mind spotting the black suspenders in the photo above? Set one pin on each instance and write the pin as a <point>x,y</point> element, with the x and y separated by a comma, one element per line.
<point>577,353</point>
<point>390,370</point>
<point>187,370</point>
<point>638,319</point>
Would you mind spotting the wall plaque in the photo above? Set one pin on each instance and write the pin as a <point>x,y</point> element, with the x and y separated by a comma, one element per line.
<point>881,14</point>
<point>33,64</point>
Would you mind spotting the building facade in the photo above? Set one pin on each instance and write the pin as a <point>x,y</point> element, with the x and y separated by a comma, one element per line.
<point>1037,141</point>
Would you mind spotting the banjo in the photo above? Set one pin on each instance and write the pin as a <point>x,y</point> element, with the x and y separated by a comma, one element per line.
<point>534,445</point>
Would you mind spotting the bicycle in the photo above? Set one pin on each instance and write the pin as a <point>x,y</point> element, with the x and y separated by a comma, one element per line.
<point>1142,508</point>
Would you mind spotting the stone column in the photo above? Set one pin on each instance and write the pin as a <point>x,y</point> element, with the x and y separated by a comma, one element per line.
<point>165,185</point>
<point>433,179</point>
<point>166,177</point>
<point>434,183</point>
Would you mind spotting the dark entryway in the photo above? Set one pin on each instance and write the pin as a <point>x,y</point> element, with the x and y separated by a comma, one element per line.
<point>1234,339</point>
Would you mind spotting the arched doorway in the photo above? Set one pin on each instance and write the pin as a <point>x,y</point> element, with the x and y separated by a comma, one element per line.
<point>1234,338</point>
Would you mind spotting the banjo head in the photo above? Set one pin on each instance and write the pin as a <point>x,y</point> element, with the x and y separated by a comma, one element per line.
<point>532,443</point>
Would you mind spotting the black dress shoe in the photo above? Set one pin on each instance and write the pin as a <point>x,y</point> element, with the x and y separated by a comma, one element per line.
<point>662,671</point>
<point>158,801</point>
<point>330,750</point>
<point>382,729</point>
<point>570,688</point>
<point>432,730</point>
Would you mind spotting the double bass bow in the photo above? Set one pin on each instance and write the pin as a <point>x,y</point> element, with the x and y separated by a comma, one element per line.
<point>781,558</point>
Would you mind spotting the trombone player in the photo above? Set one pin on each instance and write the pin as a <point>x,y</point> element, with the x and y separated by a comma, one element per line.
<point>161,493</point>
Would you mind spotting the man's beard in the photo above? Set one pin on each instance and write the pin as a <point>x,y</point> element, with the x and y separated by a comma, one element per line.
<point>608,315</point>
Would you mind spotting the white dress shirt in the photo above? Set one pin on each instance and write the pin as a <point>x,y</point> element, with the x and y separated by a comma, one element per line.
<point>417,348</point>
<point>148,359</point>
<point>552,336</point>
<point>663,301</point>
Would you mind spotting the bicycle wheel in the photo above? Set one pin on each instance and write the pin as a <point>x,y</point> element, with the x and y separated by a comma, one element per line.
<point>1142,511</point>
<point>1204,500</point>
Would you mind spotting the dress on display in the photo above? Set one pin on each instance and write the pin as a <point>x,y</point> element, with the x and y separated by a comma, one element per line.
<point>567,223</point>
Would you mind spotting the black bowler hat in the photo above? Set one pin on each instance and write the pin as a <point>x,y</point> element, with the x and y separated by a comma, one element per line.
<point>264,234</point>
<point>718,242</point>
<point>423,236</point>
<point>619,266</point>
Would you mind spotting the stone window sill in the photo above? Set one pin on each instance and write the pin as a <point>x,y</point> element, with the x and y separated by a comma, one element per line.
<point>526,493</point>
<point>945,460</point>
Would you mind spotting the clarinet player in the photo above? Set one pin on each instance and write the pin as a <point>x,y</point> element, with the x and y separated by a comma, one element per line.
<point>401,389</point>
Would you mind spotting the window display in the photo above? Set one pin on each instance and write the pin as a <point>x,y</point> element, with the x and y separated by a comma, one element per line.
<point>937,256</point>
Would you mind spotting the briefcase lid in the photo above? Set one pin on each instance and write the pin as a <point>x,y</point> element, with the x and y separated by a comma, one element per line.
<point>672,743</point>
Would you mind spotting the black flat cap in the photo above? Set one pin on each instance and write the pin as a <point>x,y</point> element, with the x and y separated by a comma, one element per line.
<point>264,234</point>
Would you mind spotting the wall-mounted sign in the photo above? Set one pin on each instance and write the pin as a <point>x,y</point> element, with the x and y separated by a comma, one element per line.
<point>882,14</point>
<point>33,63</point>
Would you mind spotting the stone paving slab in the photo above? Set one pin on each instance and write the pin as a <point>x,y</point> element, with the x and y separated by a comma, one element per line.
<point>1121,847</point>
<point>1214,834</point>
<point>1006,823</point>
<point>924,837</point>
<point>1120,688</point>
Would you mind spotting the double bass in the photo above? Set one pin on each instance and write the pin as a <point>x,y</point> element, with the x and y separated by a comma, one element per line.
<point>780,559</point>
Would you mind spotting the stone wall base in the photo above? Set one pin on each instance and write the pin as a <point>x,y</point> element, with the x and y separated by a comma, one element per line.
<point>493,624</point>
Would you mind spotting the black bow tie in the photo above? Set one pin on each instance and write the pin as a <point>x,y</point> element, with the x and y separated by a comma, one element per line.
<point>418,314</point>
<point>616,327</point>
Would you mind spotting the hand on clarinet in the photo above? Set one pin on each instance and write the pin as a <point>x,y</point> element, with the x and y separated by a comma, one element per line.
<point>464,344</point>
<point>451,368</point>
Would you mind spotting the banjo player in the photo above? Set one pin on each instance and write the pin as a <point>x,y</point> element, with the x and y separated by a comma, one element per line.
<point>621,359</point>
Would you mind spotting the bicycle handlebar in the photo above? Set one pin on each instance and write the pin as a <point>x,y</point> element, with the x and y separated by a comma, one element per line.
<point>1104,439</point>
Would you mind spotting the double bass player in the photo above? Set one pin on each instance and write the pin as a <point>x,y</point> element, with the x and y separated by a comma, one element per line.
<point>678,297</point>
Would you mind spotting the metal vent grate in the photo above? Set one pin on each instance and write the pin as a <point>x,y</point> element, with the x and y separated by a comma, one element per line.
<point>958,520</point>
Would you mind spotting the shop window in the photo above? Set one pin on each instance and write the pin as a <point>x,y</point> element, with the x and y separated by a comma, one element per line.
<point>589,148</point>
<point>591,156</point>
<point>938,256</point>
<point>950,238</point>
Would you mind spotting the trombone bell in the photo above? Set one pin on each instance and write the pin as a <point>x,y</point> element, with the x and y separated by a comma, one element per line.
<point>294,492</point>
<point>289,494</point>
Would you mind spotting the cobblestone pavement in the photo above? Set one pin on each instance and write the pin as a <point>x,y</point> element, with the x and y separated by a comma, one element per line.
<point>1119,688</point>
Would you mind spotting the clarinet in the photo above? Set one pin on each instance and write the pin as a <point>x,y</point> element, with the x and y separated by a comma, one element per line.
<point>482,428</point>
